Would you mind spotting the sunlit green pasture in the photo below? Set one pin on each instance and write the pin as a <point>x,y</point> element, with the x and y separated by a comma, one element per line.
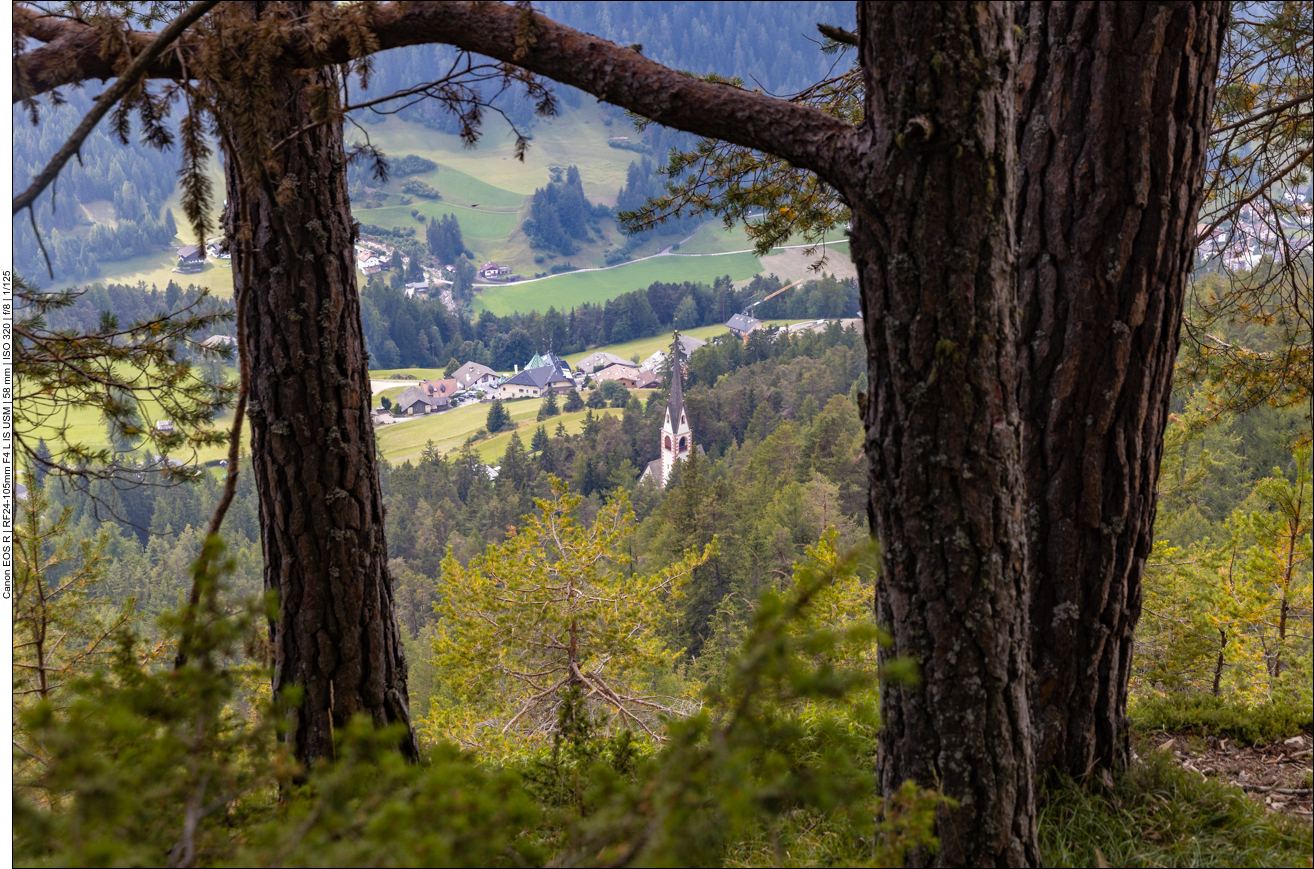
<point>449,430</point>
<point>417,373</point>
<point>157,269</point>
<point>645,347</point>
<point>84,425</point>
<point>578,137</point>
<point>713,237</point>
<point>479,227</point>
<point>572,289</point>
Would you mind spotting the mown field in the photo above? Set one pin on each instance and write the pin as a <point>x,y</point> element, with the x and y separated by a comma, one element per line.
<point>566,291</point>
<point>448,431</point>
<point>83,425</point>
<point>645,347</point>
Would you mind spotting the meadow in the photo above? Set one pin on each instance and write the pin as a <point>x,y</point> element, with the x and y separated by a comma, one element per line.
<point>574,288</point>
<point>448,431</point>
<point>645,347</point>
<point>577,137</point>
<point>84,425</point>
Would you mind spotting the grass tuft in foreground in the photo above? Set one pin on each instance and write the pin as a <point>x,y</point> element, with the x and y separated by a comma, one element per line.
<point>1157,814</point>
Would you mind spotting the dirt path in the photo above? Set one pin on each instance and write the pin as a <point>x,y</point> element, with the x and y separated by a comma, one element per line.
<point>377,386</point>
<point>1276,774</point>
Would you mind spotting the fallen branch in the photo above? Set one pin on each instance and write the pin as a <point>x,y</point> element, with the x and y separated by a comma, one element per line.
<point>1274,789</point>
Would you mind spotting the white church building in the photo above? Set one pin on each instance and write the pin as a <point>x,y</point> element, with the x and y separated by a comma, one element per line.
<point>677,440</point>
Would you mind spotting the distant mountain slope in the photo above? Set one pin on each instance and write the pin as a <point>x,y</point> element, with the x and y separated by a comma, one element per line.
<point>769,44</point>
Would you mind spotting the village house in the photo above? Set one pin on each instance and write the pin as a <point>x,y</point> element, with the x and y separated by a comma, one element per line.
<point>534,382</point>
<point>599,359</point>
<point>741,324</point>
<point>190,258</point>
<point>493,270</point>
<point>626,375</point>
<point>688,345</point>
<point>446,387</point>
<point>418,289</point>
<point>647,379</point>
<point>552,359</point>
<point>416,401</point>
<point>368,261</point>
<point>218,342</point>
<point>472,375</point>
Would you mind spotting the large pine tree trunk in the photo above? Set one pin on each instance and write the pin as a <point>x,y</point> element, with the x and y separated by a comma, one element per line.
<point>1112,127</point>
<point>312,441</point>
<point>933,240</point>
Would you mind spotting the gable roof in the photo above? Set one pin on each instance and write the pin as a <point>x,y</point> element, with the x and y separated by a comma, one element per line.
<point>448,386</point>
<point>743,323</point>
<point>549,358</point>
<point>647,379</point>
<point>602,358</point>
<point>415,394</point>
<point>539,378</point>
<point>689,344</point>
<point>471,372</point>
<point>189,251</point>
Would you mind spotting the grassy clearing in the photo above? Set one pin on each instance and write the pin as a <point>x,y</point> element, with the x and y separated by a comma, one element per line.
<point>417,373</point>
<point>465,190</point>
<point>796,264</point>
<point>1157,814</point>
<point>713,237</point>
<point>478,227</point>
<point>451,429</point>
<point>1208,715</point>
<point>157,269</point>
<point>645,347</point>
<point>577,137</point>
<point>85,426</point>
<point>570,290</point>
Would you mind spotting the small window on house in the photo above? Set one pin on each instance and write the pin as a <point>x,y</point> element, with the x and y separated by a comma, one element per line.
<point>668,442</point>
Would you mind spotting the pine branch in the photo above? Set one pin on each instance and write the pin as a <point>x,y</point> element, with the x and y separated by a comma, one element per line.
<point>123,85</point>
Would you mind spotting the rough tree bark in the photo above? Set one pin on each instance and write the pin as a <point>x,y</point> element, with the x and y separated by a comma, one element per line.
<point>1112,130</point>
<point>312,440</point>
<point>934,244</point>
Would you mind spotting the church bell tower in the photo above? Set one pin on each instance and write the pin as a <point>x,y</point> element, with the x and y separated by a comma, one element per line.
<point>677,436</point>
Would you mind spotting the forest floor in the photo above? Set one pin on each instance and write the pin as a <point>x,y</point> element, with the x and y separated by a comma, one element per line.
<point>1276,774</point>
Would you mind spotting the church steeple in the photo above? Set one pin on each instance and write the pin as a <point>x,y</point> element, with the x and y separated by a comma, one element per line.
<point>675,405</point>
<point>677,436</point>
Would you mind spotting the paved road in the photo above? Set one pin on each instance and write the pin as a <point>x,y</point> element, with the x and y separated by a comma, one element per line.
<point>666,251</point>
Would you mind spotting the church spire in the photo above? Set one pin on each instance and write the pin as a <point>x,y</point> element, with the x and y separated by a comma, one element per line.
<point>675,405</point>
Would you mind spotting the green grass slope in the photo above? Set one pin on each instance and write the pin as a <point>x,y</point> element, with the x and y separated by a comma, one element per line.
<point>449,430</point>
<point>574,288</point>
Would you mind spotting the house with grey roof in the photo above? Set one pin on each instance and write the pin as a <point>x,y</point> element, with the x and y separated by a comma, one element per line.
<point>190,258</point>
<point>688,345</point>
<point>416,401</point>
<point>741,324</point>
<point>534,382</point>
<point>472,375</point>
<point>599,359</point>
